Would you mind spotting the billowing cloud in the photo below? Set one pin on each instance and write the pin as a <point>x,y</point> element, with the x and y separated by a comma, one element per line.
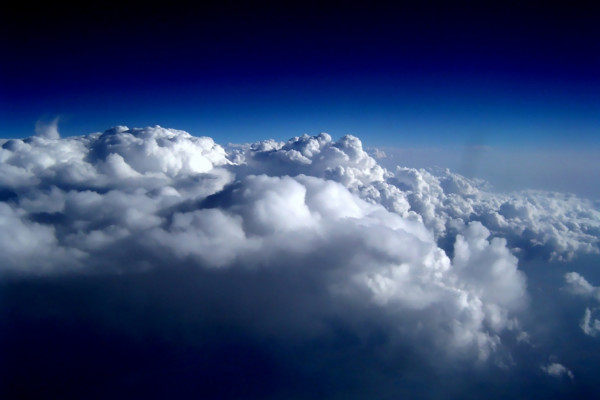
<point>309,240</point>
<point>165,192</point>
<point>548,224</point>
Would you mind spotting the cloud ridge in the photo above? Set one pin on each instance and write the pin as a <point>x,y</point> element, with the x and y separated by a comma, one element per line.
<point>433,253</point>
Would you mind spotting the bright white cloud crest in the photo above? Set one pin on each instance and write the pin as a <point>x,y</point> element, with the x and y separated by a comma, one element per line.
<point>129,199</point>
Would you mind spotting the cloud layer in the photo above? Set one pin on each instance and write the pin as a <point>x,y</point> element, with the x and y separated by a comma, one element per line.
<point>299,234</point>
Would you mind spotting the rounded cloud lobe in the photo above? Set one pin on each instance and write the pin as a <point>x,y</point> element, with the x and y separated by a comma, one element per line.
<point>306,240</point>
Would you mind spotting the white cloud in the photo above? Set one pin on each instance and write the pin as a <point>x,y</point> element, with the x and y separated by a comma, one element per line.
<point>553,225</point>
<point>369,253</point>
<point>590,326</point>
<point>48,130</point>
<point>378,154</point>
<point>29,247</point>
<point>557,370</point>
<point>130,199</point>
<point>344,161</point>
<point>578,285</point>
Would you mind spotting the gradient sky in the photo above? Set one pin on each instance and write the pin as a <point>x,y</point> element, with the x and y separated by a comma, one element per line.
<point>402,76</point>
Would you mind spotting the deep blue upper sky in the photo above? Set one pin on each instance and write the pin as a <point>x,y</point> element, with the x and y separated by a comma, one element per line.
<point>494,75</point>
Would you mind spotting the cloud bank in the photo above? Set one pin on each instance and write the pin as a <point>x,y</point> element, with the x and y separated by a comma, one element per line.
<point>304,239</point>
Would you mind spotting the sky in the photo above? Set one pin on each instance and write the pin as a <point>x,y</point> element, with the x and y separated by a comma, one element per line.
<point>510,76</point>
<point>176,223</point>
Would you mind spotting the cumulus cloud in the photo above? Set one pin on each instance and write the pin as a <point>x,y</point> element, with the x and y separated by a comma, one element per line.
<point>300,238</point>
<point>168,194</point>
<point>547,224</point>
<point>557,370</point>
<point>578,285</point>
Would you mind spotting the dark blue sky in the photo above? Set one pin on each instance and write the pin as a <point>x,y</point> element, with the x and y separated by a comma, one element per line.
<point>402,75</point>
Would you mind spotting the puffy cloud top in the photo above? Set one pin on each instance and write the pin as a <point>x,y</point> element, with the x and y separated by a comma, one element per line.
<point>116,157</point>
<point>344,161</point>
<point>553,225</point>
<point>433,253</point>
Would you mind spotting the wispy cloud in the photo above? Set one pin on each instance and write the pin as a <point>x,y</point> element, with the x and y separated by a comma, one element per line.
<point>48,130</point>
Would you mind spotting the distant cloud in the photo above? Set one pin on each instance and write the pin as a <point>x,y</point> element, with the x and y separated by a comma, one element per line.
<point>48,130</point>
<point>548,224</point>
<point>578,285</point>
<point>557,370</point>
<point>378,154</point>
<point>588,325</point>
<point>568,169</point>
